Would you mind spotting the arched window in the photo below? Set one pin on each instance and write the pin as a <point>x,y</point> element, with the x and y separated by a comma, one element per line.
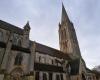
<point>83,77</point>
<point>61,76</point>
<point>1,36</point>
<point>16,39</point>
<point>39,58</point>
<point>52,61</point>
<point>19,42</point>
<point>44,76</point>
<point>1,55</point>
<point>57,77</point>
<point>64,34</point>
<point>18,59</point>
<point>50,76</point>
<point>69,69</point>
<point>42,60</point>
<point>37,76</point>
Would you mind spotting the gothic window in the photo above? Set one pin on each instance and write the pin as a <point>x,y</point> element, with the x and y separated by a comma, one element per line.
<point>57,77</point>
<point>69,69</point>
<point>49,61</point>
<point>39,58</point>
<point>66,43</point>
<point>44,76</point>
<point>83,77</point>
<point>19,42</point>
<point>1,36</point>
<point>64,34</point>
<point>18,59</point>
<point>37,76</point>
<point>42,60</point>
<point>52,61</point>
<point>1,55</point>
<point>50,76</point>
<point>16,40</point>
<point>61,76</point>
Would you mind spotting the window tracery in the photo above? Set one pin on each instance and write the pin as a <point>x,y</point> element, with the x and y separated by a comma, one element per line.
<point>18,59</point>
<point>16,39</point>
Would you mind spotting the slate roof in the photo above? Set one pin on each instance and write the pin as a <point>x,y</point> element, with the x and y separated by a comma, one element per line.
<point>10,27</point>
<point>88,70</point>
<point>97,73</point>
<point>51,51</point>
<point>74,64</point>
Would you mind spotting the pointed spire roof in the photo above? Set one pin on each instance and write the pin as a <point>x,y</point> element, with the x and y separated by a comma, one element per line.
<point>27,26</point>
<point>64,16</point>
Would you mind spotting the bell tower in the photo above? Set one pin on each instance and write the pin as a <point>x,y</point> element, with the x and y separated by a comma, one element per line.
<point>67,36</point>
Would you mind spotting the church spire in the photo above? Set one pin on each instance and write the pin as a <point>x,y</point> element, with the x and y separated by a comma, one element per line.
<point>67,36</point>
<point>64,16</point>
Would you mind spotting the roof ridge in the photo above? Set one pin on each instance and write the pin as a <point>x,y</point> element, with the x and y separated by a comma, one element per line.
<point>10,27</point>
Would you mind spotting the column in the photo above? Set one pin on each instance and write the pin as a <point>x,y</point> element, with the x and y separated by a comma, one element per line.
<point>7,54</point>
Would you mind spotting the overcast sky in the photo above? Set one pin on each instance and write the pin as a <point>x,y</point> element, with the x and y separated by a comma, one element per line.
<point>44,16</point>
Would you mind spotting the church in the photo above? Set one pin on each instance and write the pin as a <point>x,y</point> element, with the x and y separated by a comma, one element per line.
<point>24,59</point>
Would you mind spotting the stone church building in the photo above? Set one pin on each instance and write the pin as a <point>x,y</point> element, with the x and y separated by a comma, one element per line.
<point>23,59</point>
